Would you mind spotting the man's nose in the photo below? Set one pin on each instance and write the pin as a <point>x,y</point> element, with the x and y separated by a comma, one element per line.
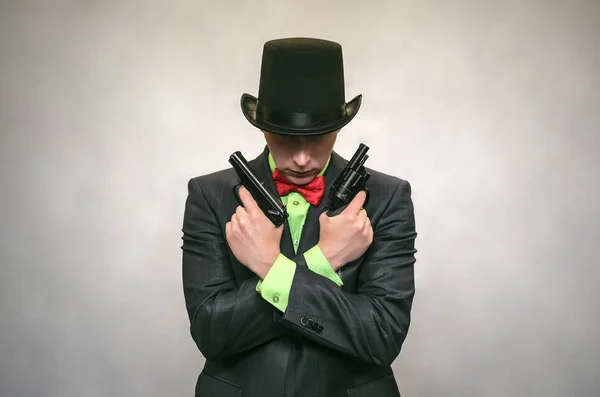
<point>301,157</point>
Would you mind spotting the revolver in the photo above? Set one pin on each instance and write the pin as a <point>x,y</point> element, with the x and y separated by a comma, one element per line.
<point>271,205</point>
<point>350,181</point>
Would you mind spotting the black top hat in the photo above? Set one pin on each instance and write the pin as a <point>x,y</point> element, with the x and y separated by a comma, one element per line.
<point>301,89</point>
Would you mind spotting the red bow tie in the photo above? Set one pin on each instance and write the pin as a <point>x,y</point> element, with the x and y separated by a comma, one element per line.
<point>312,192</point>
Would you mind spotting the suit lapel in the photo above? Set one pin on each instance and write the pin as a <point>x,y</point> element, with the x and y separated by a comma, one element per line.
<point>310,233</point>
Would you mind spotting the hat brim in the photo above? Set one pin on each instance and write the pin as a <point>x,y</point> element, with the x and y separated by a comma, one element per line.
<point>249,103</point>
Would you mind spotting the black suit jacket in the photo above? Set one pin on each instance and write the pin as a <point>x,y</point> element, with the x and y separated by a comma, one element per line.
<point>331,341</point>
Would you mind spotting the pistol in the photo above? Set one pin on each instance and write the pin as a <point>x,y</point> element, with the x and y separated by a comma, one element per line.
<point>271,205</point>
<point>350,181</point>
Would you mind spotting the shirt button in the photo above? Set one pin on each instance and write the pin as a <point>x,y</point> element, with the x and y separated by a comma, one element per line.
<point>295,242</point>
<point>296,202</point>
<point>275,299</point>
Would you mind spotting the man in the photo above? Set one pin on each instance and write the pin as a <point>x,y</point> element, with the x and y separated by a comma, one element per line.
<point>319,306</point>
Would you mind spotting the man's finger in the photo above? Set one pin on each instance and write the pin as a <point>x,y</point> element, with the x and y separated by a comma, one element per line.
<point>357,202</point>
<point>367,225</point>
<point>248,201</point>
<point>241,214</point>
<point>234,224</point>
<point>228,231</point>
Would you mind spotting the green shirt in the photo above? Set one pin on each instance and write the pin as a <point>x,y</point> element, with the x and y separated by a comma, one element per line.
<point>275,287</point>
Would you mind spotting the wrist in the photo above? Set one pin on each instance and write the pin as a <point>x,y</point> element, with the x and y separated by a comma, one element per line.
<point>333,260</point>
<point>266,266</point>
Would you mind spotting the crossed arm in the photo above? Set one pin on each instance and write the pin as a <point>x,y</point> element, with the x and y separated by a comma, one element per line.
<point>370,325</point>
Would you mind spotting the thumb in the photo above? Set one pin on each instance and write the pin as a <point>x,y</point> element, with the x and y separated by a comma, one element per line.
<point>357,202</point>
<point>324,217</point>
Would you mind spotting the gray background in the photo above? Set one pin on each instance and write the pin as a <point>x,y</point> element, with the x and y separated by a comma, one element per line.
<point>490,109</point>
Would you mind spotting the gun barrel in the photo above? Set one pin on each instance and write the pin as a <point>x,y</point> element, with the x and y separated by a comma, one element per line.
<point>349,182</point>
<point>246,174</point>
<point>362,161</point>
<point>238,161</point>
<point>359,157</point>
<point>271,206</point>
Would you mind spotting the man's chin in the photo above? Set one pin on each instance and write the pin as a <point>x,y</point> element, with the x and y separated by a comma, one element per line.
<point>301,180</point>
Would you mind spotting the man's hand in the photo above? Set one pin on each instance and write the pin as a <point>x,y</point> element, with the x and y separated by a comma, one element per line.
<point>252,237</point>
<point>345,237</point>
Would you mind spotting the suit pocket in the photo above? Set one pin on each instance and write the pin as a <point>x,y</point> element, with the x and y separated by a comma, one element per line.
<point>209,386</point>
<point>382,387</point>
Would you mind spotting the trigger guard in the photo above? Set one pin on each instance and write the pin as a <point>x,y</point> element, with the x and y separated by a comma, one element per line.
<point>236,194</point>
<point>366,198</point>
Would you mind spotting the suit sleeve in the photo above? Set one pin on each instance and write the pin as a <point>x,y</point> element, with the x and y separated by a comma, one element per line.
<point>275,288</point>
<point>226,319</point>
<point>318,263</point>
<point>371,324</point>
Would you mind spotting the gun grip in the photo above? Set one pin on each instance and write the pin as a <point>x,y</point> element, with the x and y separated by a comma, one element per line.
<point>331,213</point>
<point>367,197</point>
<point>342,208</point>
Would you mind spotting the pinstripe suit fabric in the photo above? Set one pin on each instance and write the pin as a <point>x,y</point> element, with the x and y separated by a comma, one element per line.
<point>330,341</point>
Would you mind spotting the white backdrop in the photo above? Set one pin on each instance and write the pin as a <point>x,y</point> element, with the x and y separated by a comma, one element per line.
<point>490,110</point>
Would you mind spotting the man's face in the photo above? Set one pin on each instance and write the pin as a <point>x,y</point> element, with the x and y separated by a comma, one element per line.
<point>300,158</point>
